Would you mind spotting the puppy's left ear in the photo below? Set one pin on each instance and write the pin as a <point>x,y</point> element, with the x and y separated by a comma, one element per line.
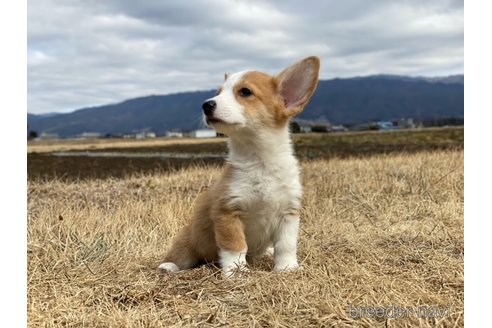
<point>296,84</point>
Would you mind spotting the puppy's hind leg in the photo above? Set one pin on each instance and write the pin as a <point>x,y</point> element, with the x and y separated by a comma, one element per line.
<point>181,256</point>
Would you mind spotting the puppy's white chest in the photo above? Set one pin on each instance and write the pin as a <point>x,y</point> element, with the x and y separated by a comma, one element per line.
<point>266,191</point>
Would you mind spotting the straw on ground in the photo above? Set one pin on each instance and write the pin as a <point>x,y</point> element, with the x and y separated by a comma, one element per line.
<point>377,232</point>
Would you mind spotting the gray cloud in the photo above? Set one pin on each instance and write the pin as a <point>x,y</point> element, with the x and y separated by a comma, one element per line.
<point>85,53</point>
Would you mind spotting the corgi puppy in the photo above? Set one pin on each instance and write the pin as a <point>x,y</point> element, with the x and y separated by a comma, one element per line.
<point>255,203</point>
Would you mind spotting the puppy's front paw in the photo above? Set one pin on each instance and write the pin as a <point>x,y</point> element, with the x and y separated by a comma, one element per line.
<point>232,262</point>
<point>167,267</point>
<point>286,266</point>
<point>234,271</point>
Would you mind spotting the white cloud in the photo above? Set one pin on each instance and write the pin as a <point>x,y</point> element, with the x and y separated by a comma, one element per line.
<point>97,52</point>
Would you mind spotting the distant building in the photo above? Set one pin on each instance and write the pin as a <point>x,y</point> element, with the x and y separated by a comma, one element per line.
<point>406,123</point>
<point>47,136</point>
<point>90,135</point>
<point>203,133</point>
<point>385,125</point>
<point>305,128</point>
<point>338,128</point>
<point>174,134</point>
<point>145,135</point>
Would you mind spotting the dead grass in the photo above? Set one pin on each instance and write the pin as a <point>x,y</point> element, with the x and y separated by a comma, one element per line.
<point>378,231</point>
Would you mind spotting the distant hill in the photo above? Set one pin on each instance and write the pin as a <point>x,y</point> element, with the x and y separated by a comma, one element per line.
<point>340,101</point>
<point>343,101</point>
<point>155,113</point>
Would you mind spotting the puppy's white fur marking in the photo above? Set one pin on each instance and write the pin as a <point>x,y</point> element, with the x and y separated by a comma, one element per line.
<point>231,261</point>
<point>285,244</point>
<point>228,109</point>
<point>269,251</point>
<point>169,267</point>
<point>255,204</point>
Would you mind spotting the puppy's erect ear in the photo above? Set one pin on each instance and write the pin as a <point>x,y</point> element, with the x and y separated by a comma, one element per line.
<point>226,76</point>
<point>297,83</point>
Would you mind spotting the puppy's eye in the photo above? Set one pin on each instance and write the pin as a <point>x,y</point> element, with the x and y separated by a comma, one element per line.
<point>245,92</point>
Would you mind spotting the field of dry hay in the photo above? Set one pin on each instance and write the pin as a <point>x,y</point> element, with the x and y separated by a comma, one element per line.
<point>377,232</point>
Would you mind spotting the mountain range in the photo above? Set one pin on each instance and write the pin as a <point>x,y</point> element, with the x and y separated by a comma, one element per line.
<point>340,101</point>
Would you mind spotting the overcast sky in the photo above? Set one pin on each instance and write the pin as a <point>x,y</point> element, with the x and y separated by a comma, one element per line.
<point>88,53</point>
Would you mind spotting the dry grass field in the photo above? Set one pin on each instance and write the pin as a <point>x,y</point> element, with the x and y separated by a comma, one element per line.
<point>378,233</point>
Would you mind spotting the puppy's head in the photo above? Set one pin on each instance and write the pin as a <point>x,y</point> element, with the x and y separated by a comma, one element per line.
<point>252,100</point>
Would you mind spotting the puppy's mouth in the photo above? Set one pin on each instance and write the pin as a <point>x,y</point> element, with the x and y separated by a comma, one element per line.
<point>214,120</point>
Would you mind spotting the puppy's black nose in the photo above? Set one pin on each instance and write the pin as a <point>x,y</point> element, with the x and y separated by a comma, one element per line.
<point>209,107</point>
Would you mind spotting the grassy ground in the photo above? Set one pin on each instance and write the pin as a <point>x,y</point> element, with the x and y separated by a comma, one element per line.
<point>377,231</point>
